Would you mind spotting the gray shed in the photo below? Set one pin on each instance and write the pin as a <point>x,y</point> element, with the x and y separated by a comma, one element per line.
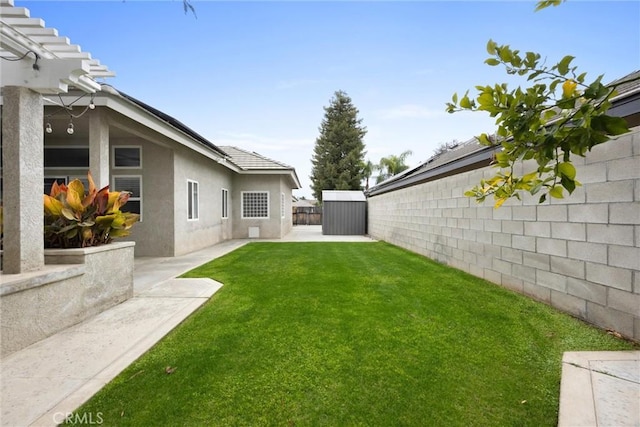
<point>344,213</point>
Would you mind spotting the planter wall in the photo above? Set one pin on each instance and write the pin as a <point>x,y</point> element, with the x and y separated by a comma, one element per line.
<point>74,285</point>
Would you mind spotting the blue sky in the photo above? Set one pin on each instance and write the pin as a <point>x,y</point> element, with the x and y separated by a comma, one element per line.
<point>258,74</point>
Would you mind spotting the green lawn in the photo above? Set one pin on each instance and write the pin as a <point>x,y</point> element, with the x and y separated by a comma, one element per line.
<point>351,334</point>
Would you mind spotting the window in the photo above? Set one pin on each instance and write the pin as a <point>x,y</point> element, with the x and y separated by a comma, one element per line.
<point>66,157</point>
<point>49,180</point>
<point>282,205</point>
<point>225,203</point>
<point>192,194</point>
<point>127,157</point>
<point>61,179</point>
<point>132,184</point>
<point>255,204</point>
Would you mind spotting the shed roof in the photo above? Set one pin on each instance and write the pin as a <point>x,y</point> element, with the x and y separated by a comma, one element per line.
<point>343,196</point>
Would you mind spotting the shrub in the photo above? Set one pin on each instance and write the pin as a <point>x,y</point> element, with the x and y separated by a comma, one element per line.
<point>75,219</point>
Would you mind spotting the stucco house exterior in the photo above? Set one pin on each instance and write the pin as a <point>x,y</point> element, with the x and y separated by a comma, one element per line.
<point>189,192</point>
<point>59,121</point>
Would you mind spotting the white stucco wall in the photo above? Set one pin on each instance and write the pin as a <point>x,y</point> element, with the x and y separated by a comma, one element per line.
<point>270,228</point>
<point>210,228</point>
<point>580,254</point>
<point>286,221</point>
<point>154,234</point>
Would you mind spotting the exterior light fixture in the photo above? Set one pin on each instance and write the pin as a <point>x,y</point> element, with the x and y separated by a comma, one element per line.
<point>48,128</point>
<point>70,128</point>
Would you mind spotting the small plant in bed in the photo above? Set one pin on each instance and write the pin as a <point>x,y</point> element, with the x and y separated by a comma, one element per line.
<point>77,219</point>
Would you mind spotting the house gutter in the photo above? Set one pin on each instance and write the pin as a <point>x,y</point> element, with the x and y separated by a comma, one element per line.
<point>291,172</point>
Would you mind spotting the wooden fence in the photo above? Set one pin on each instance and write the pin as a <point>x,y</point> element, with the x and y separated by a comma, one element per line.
<point>307,215</point>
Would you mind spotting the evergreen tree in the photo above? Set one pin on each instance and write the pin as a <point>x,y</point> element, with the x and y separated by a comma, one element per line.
<point>338,157</point>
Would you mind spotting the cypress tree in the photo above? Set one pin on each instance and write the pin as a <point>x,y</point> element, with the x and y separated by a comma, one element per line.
<point>338,157</point>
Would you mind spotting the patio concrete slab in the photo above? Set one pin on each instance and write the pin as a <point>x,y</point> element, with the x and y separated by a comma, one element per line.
<point>600,388</point>
<point>53,377</point>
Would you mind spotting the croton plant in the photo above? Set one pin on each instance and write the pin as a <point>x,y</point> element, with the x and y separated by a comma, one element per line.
<point>76,219</point>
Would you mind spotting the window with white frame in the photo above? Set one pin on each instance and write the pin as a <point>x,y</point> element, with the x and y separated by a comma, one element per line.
<point>192,202</point>
<point>225,203</point>
<point>282,205</point>
<point>127,157</point>
<point>255,204</point>
<point>133,185</point>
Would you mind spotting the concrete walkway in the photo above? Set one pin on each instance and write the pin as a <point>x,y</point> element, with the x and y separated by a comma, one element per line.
<point>44,382</point>
<point>600,388</point>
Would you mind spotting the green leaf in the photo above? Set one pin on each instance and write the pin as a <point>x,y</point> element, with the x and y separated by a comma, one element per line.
<point>543,4</point>
<point>499,202</point>
<point>596,90</point>
<point>68,214</point>
<point>536,188</point>
<point>568,184</point>
<point>556,192</point>
<point>568,170</point>
<point>484,139</point>
<point>485,99</point>
<point>454,98</point>
<point>505,53</point>
<point>542,198</point>
<point>491,47</point>
<point>609,124</point>
<point>531,59</point>
<point>465,102</point>
<point>492,61</point>
<point>563,65</point>
<point>502,159</point>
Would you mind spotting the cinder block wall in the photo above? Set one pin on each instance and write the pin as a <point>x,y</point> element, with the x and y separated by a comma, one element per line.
<point>580,254</point>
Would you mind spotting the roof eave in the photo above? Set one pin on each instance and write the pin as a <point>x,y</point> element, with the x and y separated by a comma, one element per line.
<point>289,172</point>
<point>112,99</point>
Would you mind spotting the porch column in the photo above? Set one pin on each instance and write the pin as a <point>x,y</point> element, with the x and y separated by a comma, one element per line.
<point>99,147</point>
<point>23,178</point>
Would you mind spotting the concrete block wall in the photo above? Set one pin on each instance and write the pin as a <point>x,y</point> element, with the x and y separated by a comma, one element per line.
<point>580,254</point>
